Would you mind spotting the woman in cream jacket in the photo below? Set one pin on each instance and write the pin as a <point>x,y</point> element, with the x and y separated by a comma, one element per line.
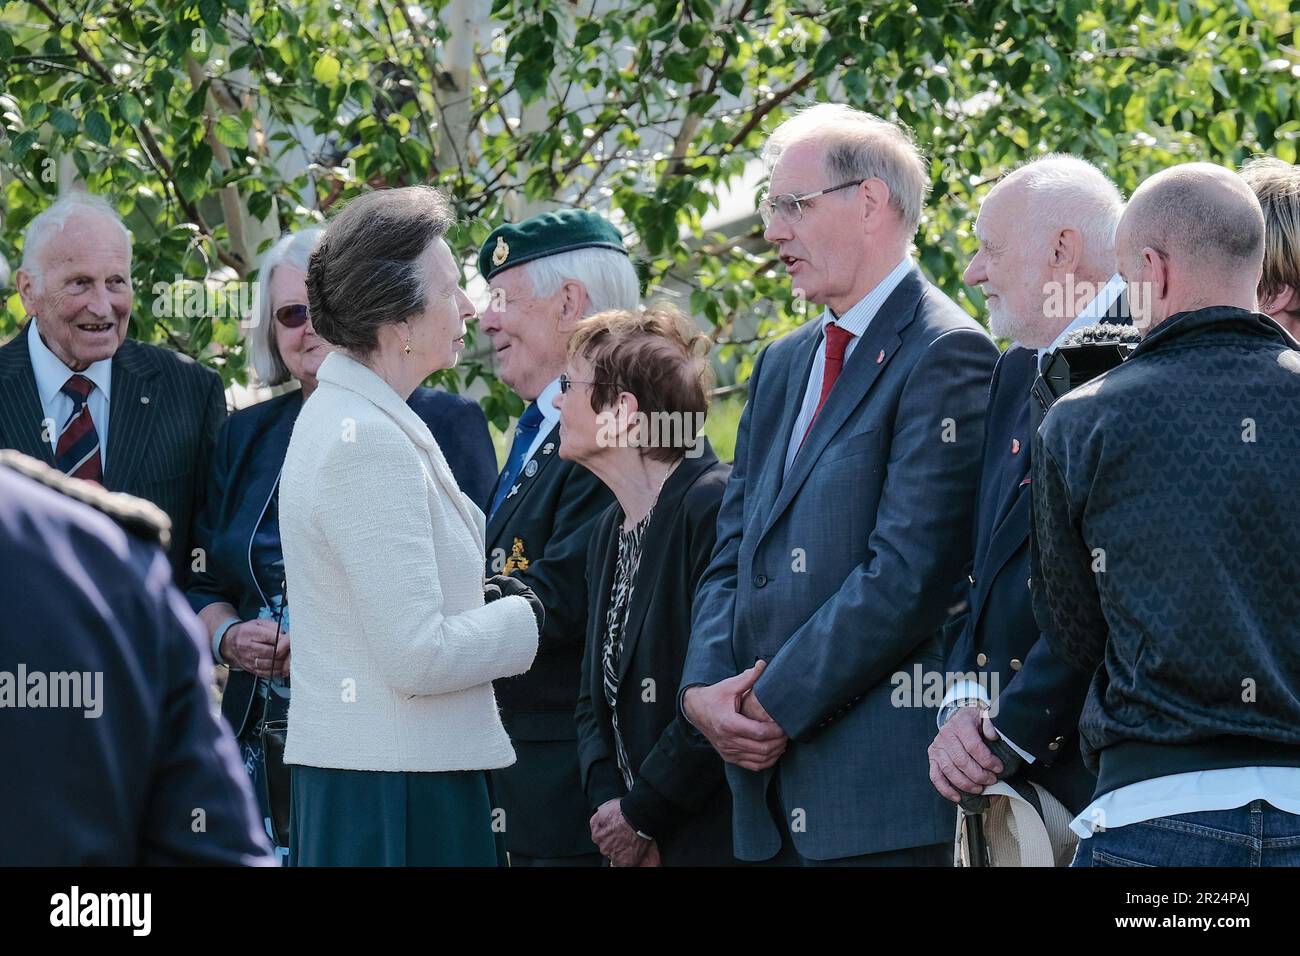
<point>392,722</point>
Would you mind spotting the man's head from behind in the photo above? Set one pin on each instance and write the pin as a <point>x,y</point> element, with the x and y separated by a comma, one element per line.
<point>1277,187</point>
<point>1046,245</point>
<point>75,278</point>
<point>1192,237</point>
<point>838,245</point>
<point>545,274</point>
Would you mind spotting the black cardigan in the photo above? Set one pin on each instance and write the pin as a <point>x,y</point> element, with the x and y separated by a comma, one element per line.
<point>679,796</point>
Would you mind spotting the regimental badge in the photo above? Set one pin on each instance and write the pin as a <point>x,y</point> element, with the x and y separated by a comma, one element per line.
<point>501,253</point>
<point>516,561</point>
<point>548,448</point>
<point>530,469</point>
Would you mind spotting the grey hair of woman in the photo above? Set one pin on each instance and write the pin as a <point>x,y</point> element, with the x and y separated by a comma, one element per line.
<point>292,249</point>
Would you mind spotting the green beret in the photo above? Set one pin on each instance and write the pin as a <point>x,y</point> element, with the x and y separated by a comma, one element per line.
<point>549,234</point>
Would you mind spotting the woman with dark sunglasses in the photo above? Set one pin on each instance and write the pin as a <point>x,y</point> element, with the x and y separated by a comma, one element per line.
<point>238,584</point>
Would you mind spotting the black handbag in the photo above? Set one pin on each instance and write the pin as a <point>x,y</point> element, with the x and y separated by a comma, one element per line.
<point>273,734</point>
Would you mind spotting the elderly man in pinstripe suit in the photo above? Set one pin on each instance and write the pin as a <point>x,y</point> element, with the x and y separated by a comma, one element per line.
<point>76,393</point>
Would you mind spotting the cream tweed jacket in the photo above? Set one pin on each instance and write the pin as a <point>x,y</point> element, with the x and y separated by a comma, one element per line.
<point>394,650</point>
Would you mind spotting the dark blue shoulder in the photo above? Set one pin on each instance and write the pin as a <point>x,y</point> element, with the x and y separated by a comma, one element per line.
<point>280,411</point>
<point>433,404</point>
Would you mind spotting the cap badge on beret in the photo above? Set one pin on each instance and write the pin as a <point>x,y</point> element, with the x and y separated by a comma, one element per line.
<point>501,253</point>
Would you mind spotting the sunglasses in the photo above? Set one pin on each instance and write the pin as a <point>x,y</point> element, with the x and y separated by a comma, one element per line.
<point>292,316</point>
<point>567,383</point>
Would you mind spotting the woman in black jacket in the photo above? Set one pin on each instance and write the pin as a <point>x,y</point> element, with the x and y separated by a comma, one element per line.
<point>237,588</point>
<point>632,401</point>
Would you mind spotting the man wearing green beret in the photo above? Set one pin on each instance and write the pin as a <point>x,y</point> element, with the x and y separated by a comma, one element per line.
<point>544,275</point>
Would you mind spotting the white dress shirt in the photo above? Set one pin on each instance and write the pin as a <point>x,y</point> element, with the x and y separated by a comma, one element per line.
<point>51,375</point>
<point>854,321</point>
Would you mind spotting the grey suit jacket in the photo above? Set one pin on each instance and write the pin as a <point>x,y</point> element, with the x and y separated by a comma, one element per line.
<point>842,574</point>
<point>164,414</point>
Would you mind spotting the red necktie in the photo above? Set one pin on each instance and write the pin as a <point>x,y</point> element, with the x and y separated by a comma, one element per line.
<point>837,342</point>
<point>77,453</point>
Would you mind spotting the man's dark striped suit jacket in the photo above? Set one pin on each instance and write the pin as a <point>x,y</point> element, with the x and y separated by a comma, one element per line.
<point>164,413</point>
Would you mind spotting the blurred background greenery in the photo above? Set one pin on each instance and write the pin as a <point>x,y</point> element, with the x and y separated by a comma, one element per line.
<point>216,125</point>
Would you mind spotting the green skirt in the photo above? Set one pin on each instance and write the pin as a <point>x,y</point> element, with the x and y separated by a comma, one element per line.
<point>377,818</point>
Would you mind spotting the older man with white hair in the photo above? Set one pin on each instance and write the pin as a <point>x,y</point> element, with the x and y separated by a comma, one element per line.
<point>845,525</point>
<point>544,274</point>
<point>77,393</point>
<point>1164,518</point>
<point>1045,260</point>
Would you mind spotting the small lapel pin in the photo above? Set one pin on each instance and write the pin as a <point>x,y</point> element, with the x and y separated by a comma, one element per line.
<point>881,357</point>
<point>530,469</point>
<point>548,448</point>
<point>513,491</point>
<point>1015,446</point>
<point>144,399</point>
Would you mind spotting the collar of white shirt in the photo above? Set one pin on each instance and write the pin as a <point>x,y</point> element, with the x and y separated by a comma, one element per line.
<point>1095,311</point>
<point>51,374</point>
<point>546,404</point>
<point>859,316</point>
<point>550,416</point>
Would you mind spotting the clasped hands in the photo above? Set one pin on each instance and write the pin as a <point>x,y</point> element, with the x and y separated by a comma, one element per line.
<point>730,716</point>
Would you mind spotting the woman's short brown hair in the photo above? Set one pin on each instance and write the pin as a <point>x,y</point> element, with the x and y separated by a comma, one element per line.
<point>365,272</point>
<point>659,356</point>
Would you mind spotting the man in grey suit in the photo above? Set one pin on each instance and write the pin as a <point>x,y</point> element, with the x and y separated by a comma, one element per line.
<point>79,395</point>
<point>844,528</point>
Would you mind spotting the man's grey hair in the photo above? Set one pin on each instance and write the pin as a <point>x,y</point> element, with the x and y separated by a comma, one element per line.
<point>52,220</point>
<point>1201,214</point>
<point>859,146</point>
<point>608,276</point>
<point>1066,192</point>
<point>292,249</point>
<point>4,272</point>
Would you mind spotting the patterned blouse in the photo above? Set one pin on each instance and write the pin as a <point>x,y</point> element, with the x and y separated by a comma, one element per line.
<point>629,560</point>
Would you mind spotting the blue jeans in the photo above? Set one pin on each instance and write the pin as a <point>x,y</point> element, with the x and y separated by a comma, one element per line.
<point>1257,834</point>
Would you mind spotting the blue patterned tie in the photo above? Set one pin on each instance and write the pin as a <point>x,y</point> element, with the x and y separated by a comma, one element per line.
<point>525,432</point>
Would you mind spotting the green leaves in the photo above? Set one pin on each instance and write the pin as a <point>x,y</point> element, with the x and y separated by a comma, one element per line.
<point>326,70</point>
<point>64,122</point>
<point>653,111</point>
<point>97,127</point>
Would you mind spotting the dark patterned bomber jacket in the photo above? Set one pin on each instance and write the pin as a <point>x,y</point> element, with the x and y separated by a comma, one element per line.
<point>1166,503</point>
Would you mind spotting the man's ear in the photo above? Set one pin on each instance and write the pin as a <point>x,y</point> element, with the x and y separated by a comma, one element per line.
<point>876,194</point>
<point>26,284</point>
<point>573,304</point>
<point>1067,251</point>
<point>1157,271</point>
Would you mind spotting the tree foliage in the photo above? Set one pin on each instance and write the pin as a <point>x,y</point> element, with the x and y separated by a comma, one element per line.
<point>214,125</point>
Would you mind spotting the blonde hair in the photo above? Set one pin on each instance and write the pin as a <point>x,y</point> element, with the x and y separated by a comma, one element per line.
<point>1277,186</point>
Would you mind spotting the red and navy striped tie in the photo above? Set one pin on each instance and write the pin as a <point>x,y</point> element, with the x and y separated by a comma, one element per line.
<point>78,450</point>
